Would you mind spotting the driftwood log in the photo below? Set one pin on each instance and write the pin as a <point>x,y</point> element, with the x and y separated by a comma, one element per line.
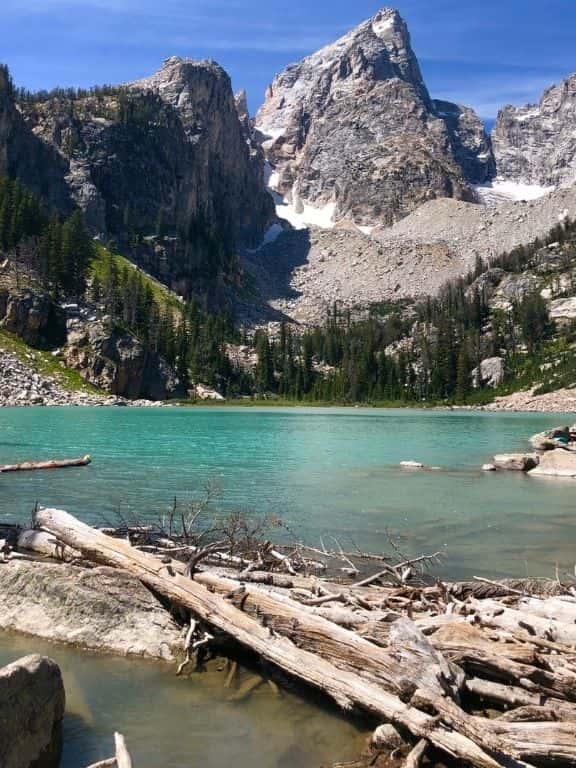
<point>408,680</point>
<point>121,758</point>
<point>28,466</point>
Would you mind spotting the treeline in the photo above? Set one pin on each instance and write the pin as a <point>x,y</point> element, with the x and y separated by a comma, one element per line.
<point>63,248</point>
<point>429,351</point>
<point>26,96</point>
<point>190,339</point>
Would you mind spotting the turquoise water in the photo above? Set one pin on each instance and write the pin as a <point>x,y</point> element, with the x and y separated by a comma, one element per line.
<point>325,472</point>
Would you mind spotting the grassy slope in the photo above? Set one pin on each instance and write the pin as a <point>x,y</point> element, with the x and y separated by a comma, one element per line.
<point>44,363</point>
<point>162,295</point>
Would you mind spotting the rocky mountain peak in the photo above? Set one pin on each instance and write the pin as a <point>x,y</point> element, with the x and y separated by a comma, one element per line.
<point>241,100</point>
<point>351,134</point>
<point>536,144</point>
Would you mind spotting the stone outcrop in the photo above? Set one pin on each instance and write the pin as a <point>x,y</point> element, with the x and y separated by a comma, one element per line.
<point>536,144</point>
<point>352,130</point>
<point>117,362</point>
<point>490,373</point>
<point>32,703</point>
<point>516,462</point>
<point>33,317</point>
<point>100,609</point>
<point>557,463</point>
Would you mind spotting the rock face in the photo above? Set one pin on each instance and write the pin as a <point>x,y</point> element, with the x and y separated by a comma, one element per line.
<point>23,155</point>
<point>165,155</point>
<point>112,611</point>
<point>352,130</point>
<point>117,362</point>
<point>35,318</point>
<point>536,144</point>
<point>31,710</point>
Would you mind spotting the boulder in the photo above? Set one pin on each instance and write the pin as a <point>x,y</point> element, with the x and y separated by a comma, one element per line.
<point>32,704</point>
<point>490,373</point>
<point>516,462</point>
<point>33,317</point>
<point>100,609</point>
<point>202,392</point>
<point>548,441</point>
<point>557,463</point>
<point>488,468</point>
<point>563,309</point>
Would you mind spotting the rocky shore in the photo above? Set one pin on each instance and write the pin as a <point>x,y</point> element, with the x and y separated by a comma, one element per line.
<point>561,401</point>
<point>21,385</point>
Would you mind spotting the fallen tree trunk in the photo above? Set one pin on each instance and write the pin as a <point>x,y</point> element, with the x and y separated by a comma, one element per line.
<point>448,731</point>
<point>46,544</point>
<point>28,466</point>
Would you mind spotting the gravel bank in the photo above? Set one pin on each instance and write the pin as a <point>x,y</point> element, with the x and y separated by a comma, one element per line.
<point>21,385</point>
<point>562,401</point>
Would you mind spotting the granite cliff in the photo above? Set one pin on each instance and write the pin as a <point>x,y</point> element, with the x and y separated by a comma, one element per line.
<point>351,133</point>
<point>160,166</point>
<point>536,144</point>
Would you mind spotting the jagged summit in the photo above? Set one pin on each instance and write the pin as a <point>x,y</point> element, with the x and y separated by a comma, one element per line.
<point>536,144</point>
<point>351,133</point>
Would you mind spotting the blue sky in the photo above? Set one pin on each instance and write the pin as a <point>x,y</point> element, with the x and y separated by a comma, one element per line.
<point>484,54</point>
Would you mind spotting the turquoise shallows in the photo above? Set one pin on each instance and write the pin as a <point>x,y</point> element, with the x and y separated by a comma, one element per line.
<point>325,472</point>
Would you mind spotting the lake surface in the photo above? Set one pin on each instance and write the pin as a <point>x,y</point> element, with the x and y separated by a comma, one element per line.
<point>325,472</point>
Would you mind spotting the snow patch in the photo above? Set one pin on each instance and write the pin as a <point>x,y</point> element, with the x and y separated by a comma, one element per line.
<point>303,215</point>
<point>528,115</point>
<point>502,191</point>
<point>384,25</point>
<point>365,230</point>
<point>299,214</point>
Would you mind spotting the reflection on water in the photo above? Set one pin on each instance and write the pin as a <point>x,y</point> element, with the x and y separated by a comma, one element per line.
<point>173,722</point>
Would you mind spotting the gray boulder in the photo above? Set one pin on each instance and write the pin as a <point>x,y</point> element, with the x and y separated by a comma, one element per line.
<point>100,609</point>
<point>32,704</point>
<point>490,373</point>
<point>516,462</point>
<point>558,463</point>
<point>33,317</point>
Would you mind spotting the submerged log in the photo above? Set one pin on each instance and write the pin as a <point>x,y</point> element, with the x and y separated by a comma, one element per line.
<point>28,466</point>
<point>451,730</point>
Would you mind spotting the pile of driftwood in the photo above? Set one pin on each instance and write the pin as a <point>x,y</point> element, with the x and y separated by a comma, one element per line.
<point>480,673</point>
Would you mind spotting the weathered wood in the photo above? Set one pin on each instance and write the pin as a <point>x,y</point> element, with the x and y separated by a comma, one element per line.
<point>28,466</point>
<point>123,759</point>
<point>491,613</point>
<point>415,757</point>
<point>344,687</point>
<point>47,544</point>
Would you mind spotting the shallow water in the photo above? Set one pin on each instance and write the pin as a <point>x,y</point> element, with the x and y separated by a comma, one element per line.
<point>325,472</point>
<point>178,722</point>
